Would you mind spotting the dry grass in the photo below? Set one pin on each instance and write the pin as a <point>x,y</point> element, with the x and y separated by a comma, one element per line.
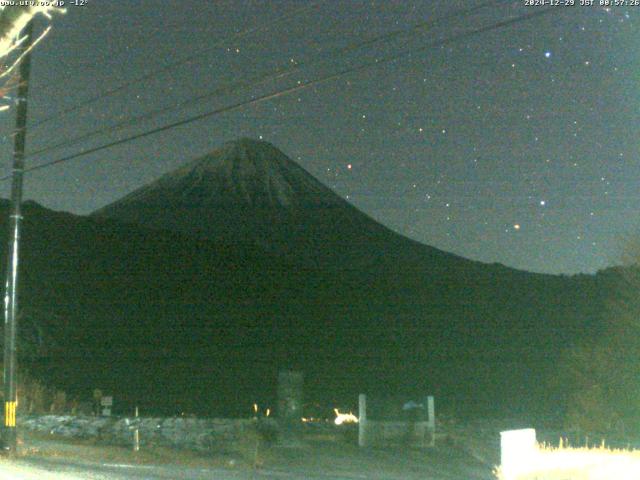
<point>568,463</point>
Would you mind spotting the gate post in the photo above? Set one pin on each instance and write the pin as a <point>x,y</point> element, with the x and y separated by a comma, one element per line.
<point>290,385</point>
<point>362,420</point>
<point>431,420</point>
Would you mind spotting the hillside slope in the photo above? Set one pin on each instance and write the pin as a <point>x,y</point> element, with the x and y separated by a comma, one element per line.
<point>179,320</point>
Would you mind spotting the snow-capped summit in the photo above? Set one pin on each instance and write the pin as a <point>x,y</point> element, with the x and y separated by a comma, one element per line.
<point>248,191</point>
<point>248,172</point>
<point>245,172</point>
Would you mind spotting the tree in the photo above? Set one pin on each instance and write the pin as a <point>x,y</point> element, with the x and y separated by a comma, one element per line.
<point>601,375</point>
<point>13,19</point>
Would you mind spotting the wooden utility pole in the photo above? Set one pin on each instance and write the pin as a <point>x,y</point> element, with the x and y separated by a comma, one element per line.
<point>9,434</point>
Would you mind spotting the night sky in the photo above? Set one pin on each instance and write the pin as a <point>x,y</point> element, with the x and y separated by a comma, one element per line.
<point>517,145</point>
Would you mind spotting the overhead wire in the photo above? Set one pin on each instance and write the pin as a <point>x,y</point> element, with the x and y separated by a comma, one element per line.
<point>152,74</point>
<point>276,94</point>
<point>114,56</point>
<point>261,79</point>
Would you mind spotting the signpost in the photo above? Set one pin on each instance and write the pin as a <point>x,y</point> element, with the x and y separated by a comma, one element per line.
<point>106,403</point>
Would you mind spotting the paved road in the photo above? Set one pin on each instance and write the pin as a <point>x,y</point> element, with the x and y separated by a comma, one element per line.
<point>55,470</point>
<point>52,470</point>
<point>47,469</point>
<point>54,459</point>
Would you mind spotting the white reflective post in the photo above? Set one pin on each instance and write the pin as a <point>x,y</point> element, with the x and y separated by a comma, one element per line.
<point>362,419</point>
<point>518,451</point>
<point>431,419</point>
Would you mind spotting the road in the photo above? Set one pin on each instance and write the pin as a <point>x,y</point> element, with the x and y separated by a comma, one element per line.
<point>47,457</point>
<point>55,469</point>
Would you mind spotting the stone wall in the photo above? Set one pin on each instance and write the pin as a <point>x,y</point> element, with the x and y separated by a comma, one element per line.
<point>177,432</point>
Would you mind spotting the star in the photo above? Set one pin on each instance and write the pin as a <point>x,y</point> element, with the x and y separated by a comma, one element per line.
<point>575,142</point>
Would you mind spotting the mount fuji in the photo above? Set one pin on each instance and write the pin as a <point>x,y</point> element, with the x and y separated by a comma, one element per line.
<point>249,192</point>
<point>238,264</point>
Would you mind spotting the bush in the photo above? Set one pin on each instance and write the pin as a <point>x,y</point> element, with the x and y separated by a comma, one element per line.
<point>600,378</point>
<point>34,397</point>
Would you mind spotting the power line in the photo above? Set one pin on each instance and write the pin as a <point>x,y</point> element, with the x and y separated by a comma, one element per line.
<point>277,74</point>
<point>301,86</point>
<point>154,73</point>
<point>138,40</point>
<point>458,13</point>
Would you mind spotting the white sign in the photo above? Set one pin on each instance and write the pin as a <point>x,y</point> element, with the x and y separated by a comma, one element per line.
<point>518,450</point>
<point>106,401</point>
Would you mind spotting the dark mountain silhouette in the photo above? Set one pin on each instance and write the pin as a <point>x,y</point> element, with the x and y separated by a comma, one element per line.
<point>190,294</point>
<point>250,192</point>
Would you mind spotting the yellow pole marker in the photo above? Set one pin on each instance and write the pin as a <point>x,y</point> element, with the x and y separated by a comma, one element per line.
<point>10,414</point>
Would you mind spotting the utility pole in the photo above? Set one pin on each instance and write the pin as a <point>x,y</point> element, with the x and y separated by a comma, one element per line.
<point>9,434</point>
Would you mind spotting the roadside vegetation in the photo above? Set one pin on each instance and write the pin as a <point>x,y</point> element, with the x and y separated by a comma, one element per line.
<point>583,463</point>
<point>599,376</point>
